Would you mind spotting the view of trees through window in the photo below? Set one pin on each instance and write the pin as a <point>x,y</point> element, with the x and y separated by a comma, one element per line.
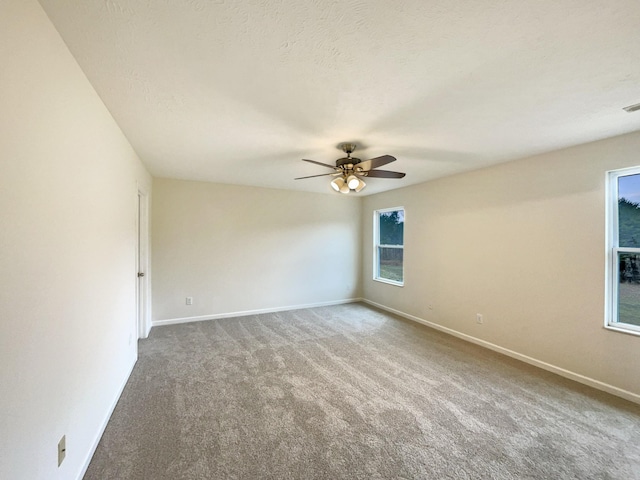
<point>390,245</point>
<point>629,238</point>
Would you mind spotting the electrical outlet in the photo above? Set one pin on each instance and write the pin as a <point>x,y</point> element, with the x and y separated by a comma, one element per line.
<point>479,318</point>
<point>189,300</point>
<point>62,449</point>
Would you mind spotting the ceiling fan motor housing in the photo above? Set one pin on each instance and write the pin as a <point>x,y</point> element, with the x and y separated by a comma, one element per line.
<point>347,160</point>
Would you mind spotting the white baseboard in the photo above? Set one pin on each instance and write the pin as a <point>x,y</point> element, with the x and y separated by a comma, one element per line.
<point>173,321</point>
<point>107,417</point>
<point>605,387</point>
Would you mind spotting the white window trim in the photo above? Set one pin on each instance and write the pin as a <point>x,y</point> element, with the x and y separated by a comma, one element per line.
<point>612,250</point>
<point>376,236</point>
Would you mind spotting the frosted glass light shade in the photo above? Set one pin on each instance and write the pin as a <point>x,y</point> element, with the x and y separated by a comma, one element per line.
<point>360,186</point>
<point>337,184</point>
<point>353,182</point>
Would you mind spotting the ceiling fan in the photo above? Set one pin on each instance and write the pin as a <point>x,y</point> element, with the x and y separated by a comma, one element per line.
<point>349,170</point>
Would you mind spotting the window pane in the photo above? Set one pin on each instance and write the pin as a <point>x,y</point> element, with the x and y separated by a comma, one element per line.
<point>628,211</point>
<point>390,263</point>
<point>392,228</point>
<point>629,288</point>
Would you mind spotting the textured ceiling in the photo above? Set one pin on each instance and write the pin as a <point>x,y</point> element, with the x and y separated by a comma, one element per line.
<point>239,91</point>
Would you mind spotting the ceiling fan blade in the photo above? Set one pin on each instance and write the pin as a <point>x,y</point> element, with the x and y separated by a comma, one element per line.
<point>321,175</point>
<point>319,163</point>
<point>382,174</point>
<point>376,162</point>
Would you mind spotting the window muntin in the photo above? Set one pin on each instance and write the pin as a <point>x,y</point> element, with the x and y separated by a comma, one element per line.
<point>623,236</point>
<point>388,238</point>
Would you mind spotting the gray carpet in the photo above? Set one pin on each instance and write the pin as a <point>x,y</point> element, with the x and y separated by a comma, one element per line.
<point>351,392</point>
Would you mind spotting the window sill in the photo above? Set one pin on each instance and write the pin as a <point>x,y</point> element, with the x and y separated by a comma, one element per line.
<point>623,330</point>
<point>390,282</point>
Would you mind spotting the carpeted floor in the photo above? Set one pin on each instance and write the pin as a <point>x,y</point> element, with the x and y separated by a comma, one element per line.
<point>349,392</point>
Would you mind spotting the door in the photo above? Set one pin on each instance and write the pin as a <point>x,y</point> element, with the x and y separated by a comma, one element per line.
<point>142,261</point>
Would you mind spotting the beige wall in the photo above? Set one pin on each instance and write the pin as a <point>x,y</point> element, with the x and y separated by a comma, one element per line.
<point>236,249</point>
<point>522,243</point>
<point>68,182</point>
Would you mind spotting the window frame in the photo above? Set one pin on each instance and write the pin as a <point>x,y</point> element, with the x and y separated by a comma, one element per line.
<point>377,245</point>
<point>612,250</point>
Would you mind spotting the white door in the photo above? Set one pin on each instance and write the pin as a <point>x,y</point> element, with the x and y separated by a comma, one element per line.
<point>142,260</point>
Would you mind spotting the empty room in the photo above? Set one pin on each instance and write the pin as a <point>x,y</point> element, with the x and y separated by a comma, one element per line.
<point>319,240</point>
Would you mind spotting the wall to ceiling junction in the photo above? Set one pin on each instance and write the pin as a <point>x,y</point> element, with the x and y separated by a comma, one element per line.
<point>68,193</point>
<point>237,249</point>
<point>522,243</point>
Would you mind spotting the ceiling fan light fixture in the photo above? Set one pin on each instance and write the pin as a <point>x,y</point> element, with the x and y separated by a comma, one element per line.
<point>353,181</point>
<point>336,183</point>
<point>349,171</point>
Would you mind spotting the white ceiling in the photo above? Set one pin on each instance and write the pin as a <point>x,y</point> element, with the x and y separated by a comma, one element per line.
<point>239,91</point>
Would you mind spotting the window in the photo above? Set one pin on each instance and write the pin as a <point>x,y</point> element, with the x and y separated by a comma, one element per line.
<point>623,238</point>
<point>388,239</point>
